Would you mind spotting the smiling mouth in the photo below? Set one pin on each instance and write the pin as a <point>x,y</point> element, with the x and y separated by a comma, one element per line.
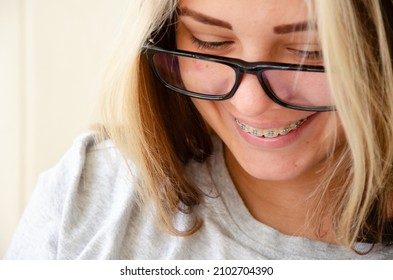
<point>270,132</point>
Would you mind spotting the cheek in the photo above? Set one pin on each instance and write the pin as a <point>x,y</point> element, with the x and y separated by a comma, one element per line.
<point>208,109</point>
<point>214,115</point>
<point>310,158</point>
<point>206,77</point>
<point>192,72</point>
<point>326,140</point>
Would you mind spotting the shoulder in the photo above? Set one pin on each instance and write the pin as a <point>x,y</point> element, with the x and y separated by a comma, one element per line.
<point>84,150</point>
<point>91,174</point>
<point>85,189</point>
<point>87,157</point>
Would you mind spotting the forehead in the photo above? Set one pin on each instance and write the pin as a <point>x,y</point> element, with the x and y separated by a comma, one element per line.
<point>249,15</point>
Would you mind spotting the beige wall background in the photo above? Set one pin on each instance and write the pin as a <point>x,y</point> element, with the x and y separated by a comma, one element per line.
<point>52,54</point>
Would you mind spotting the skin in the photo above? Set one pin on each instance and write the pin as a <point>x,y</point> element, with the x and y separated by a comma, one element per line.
<point>275,177</point>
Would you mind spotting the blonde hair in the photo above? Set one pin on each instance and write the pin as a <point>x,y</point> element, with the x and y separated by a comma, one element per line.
<point>136,118</point>
<point>354,39</point>
<point>355,42</point>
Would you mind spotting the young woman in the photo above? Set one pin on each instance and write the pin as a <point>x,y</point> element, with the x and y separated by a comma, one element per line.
<point>231,129</point>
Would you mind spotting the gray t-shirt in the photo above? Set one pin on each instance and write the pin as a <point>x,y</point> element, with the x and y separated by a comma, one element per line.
<point>86,207</point>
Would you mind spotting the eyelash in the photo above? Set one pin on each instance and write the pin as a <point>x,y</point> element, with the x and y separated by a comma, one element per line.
<point>208,45</point>
<point>311,55</point>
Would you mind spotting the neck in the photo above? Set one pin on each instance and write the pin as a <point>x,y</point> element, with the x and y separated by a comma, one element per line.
<point>286,206</point>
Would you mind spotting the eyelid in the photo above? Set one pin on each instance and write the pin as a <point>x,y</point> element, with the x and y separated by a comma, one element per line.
<point>308,54</point>
<point>209,44</point>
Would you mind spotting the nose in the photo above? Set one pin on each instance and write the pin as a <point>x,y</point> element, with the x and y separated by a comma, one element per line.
<point>250,98</point>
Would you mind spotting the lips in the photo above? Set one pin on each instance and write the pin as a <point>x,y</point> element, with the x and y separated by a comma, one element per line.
<point>270,132</point>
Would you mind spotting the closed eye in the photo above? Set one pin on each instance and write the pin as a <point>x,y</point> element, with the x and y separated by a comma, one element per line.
<point>308,55</point>
<point>209,45</point>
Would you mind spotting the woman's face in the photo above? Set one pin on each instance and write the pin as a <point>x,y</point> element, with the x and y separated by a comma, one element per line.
<point>289,144</point>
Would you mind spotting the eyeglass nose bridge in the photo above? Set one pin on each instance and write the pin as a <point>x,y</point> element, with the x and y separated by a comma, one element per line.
<point>258,71</point>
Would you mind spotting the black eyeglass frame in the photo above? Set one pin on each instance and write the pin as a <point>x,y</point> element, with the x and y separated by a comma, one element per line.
<point>240,67</point>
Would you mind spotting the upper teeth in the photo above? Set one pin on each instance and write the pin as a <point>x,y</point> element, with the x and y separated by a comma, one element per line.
<point>271,132</point>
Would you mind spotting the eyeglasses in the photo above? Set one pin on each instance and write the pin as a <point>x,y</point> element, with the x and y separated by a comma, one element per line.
<point>299,87</point>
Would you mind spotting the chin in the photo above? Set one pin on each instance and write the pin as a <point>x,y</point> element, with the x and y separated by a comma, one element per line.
<point>281,167</point>
<point>277,174</point>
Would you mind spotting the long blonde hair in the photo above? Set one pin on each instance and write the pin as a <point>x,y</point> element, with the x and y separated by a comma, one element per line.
<point>356,38</point>
<point>138,115</point>
<point>135,116</point>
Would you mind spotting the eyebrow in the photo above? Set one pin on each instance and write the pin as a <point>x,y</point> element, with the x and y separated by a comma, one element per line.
<point>184,11</point>
<point>279,29</point>
<point>294,27</point>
